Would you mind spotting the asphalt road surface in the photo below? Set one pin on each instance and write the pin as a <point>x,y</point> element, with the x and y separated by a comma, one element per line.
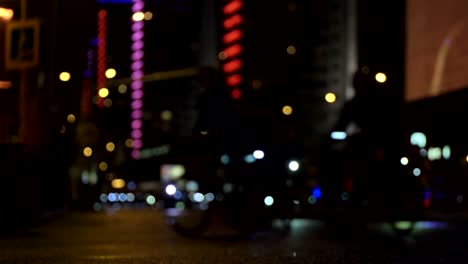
<point>142,236</point>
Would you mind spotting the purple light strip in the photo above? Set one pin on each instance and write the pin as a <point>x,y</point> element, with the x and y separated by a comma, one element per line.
<point>137,82</point>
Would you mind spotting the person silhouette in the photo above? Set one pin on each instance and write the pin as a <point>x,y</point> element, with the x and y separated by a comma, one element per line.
<point>373,153</point>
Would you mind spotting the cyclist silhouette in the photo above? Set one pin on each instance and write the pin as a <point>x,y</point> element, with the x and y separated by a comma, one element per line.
<point>374,151</point>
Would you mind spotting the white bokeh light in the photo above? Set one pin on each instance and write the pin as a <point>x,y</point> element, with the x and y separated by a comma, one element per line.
<point>293,165</point>
<point>258,154</point>
<point>268,201</point>
<point>171,189</point>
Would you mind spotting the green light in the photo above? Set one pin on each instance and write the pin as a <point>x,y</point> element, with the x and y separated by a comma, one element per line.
<point>403,225</point>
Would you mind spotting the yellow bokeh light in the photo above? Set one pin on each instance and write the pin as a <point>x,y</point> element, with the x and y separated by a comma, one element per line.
<point>287,110</point>
<point>129,143</point>
<point>103,166</point>
<point>71,118</point>
<point>110,146</point>
<point>122,88</point>
<point>111,73</point>
<point>65,76</point>
<point>222,55</point>
<point>466,158</point>
<point>87,152</point>
<point>118,183</point>
<point>291,50</point>
<point>6,13</point>
<point>148,16</point>
<point>103,92</point>
<point>138,16</point>
<point>330,98</point>
<point>381,77</point>
<point>166,115</point>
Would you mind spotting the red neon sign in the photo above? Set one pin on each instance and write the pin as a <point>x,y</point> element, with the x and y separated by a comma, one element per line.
<point>232,21</point>
<point>232,66</point>
<point>232,36</point>
<point>232,62</point>
<point>232,7</point>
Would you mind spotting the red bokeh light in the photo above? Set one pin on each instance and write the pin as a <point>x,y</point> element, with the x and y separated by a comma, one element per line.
<point>236,94</point>
<point>232,7</point>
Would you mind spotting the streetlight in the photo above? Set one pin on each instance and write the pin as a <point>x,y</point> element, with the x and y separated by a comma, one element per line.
<point>6,14</point>
<point>64,76</point>
<point>330,98</point>
<point>381,77</point>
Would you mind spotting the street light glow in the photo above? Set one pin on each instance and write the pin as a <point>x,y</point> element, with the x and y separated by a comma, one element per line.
<point>103,92</point>
<point>138,16</point>
<point>381,77</point>
<point>287,110</point>
<point>87,152</point>
<point>330,98</point>
<point>111,73</point>
<point>65,76</point>
<point>110,146</point>
<point>6,13</point>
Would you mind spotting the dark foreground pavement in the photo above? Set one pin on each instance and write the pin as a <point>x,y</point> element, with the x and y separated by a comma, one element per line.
<point>141,236</point>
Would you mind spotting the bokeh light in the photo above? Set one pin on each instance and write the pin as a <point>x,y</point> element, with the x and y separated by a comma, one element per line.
<point>122,88</point>
<point>103,166</point>
<point>110,146</point>
<point>268,201</point>
<point>291,50</point>
<point>138,16</point>
<point>71,118</point>
<point>129,143</point>
<point>148,16</point>
<point>166,115</point>
<point>103,92</point>
<point>108,102</point>
<point>293,165</point>
<point>150,200</point>
<point>65,76</point>
<point>118,183</point>
<point>287,110</point>
<point>381,77</point>
<point>404,161</point>
<point>87,152</point>
<point>330,98</point>
<point>111,73</point>
<point>171,189</point>
<point>258,154</point>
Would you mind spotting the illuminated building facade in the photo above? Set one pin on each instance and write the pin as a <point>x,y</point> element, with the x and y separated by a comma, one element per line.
<point>290,54</point>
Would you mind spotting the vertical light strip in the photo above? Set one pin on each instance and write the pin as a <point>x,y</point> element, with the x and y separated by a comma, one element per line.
<point>86,92</point>
<point>137,76</point>
<point>232,63</point>
<point>101,58</point>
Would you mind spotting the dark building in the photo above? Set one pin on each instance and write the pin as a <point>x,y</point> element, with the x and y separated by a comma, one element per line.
<point>36,157</point>
<point>293,54</point>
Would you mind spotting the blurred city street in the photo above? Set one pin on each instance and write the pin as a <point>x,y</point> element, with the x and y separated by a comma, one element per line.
<point>234,131</point>
<point>131,235</point>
